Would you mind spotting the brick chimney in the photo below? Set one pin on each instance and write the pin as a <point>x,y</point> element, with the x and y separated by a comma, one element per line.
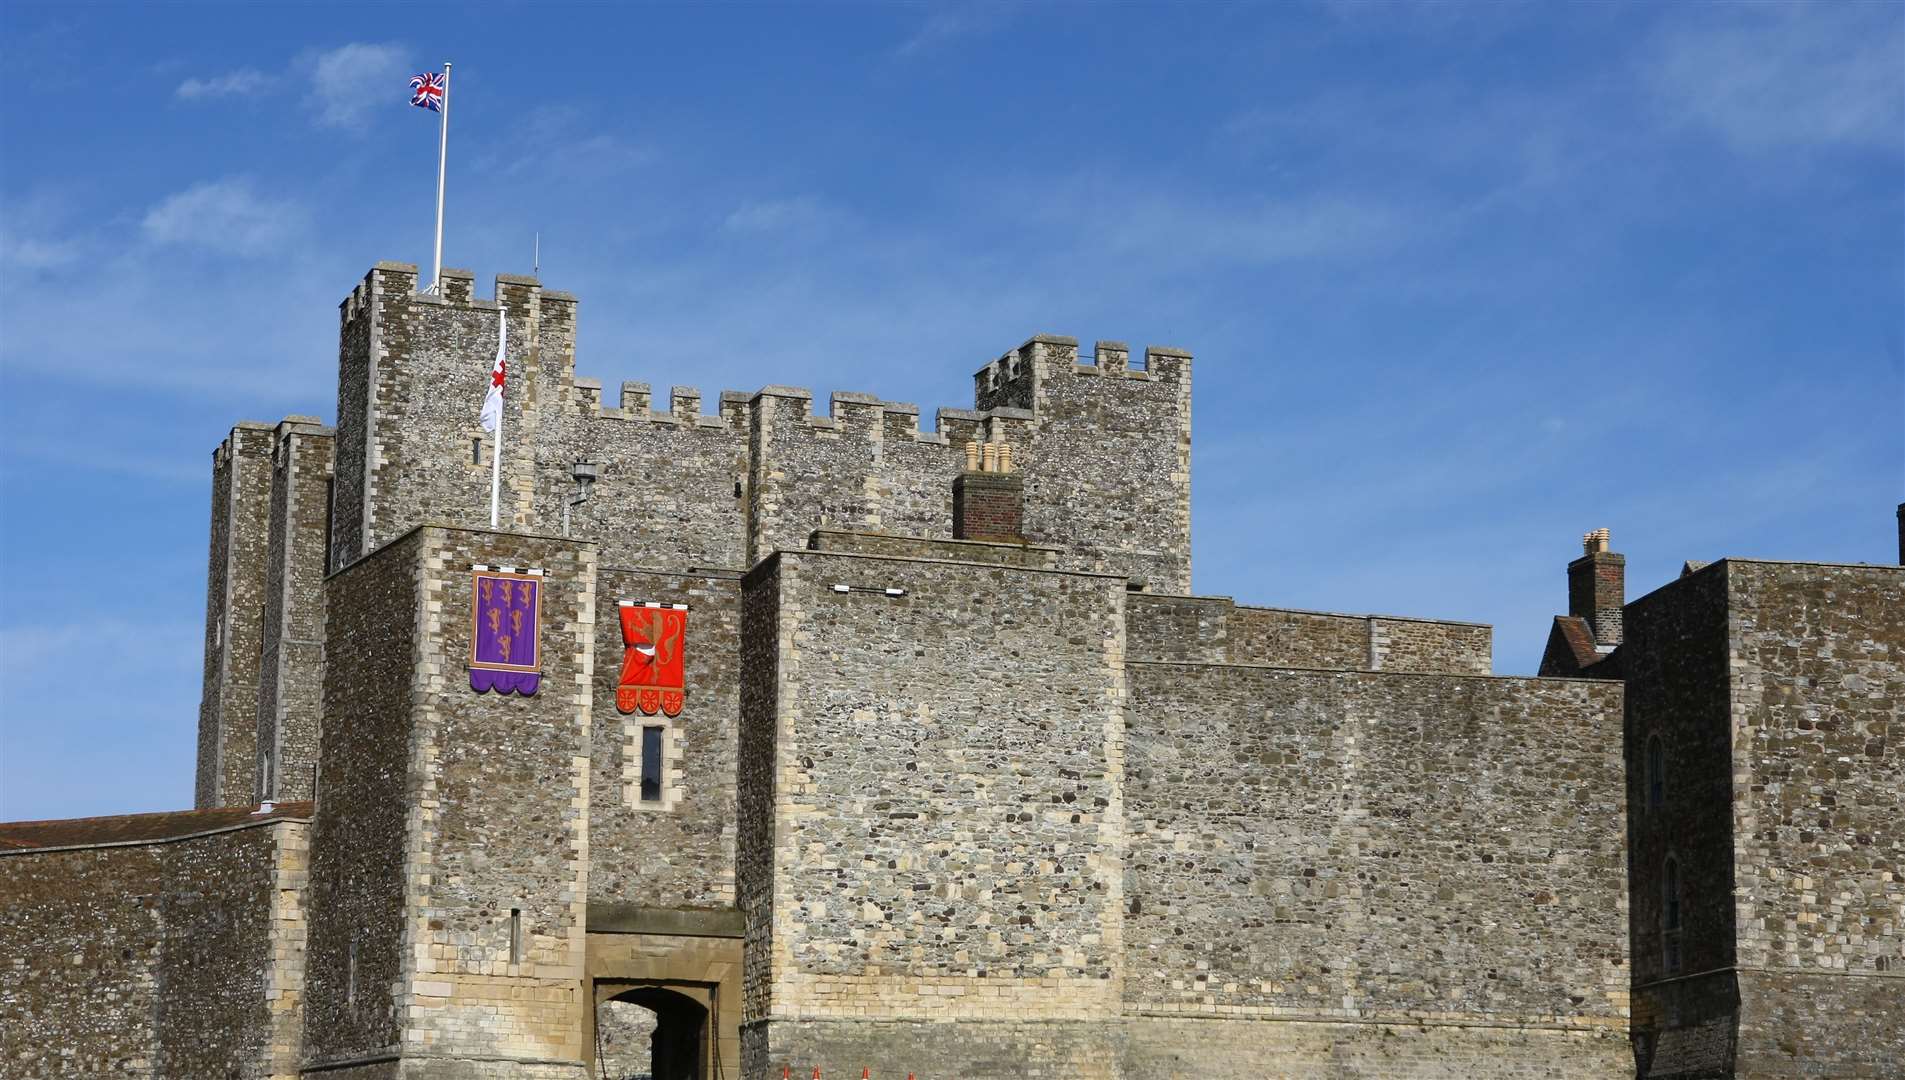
<point>1597,587</point>
<point>988,497</point>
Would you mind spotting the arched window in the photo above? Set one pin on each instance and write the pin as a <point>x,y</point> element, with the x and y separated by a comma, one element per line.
<point>1656,773</point>
<point>1670,914</point>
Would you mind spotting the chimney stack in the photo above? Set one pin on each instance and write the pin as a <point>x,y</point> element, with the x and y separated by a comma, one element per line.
<point>989,498</point>
<point>1597,587</point>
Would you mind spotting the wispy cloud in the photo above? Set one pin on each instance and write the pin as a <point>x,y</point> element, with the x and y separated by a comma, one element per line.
<point>1774,76</point>
<point>950,23</point>
<point>230,84</point>
<point>349,81</point>
<point>228,216</point>
<point>800,213</point>
<point>563,133</point>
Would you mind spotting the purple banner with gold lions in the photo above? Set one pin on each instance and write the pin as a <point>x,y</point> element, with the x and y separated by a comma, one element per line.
<point>504,655</point>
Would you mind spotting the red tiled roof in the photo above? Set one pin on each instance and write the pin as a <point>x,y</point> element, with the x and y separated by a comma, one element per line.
<point>138,828</point>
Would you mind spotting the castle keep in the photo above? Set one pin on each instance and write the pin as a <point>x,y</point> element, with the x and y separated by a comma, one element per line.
<point>950,775</point>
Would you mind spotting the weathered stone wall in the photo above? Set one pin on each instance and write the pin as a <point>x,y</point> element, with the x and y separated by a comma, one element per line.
<point>623,1031</point>
<point>1798,1024</point>
<point>216,914</point>
<point>1775,690</point>
<point>80,936</point>
<point>944,845</point>
<point>1378,849</point>
<point>291,669</point>
<point>1108,476</point>
<point>679,851</point>
<point>234,615</point>
<point>760,474</point>
<point>1676,663</point>
<point>1245,1049</point>
<point>356,955</point>
<point>164,958</point>
<point>967,1050</point>
<point>1818,688</point>
<point>1215,630</point>
<point>1025,556</point>
<point>470,914</point>
<point>758,792</point>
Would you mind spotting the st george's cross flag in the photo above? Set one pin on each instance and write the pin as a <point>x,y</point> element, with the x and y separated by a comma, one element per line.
<point>426,90</point>
<point>492,414</point>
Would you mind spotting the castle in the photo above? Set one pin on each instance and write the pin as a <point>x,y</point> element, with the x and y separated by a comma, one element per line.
<point>831,742</point>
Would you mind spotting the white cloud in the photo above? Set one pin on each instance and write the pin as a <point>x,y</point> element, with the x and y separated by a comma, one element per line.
<point>349,81</point>
<point>227,216</point>
<point>1809,75</point>
<point>950,23</point>
<point>230,84</point>
<point>776,215</point>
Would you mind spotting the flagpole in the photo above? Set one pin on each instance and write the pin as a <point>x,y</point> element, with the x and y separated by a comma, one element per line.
<point>443,152</point>
<point>496,458</point>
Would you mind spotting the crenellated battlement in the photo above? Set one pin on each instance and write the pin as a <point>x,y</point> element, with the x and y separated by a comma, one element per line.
<point>1104,444</point>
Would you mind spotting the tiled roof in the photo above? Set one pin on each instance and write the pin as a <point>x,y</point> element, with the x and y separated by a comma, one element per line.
<point>138,828</point>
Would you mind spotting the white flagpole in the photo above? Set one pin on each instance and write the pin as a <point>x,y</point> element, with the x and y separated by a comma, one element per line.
<point>443,152</point>
<point>496,458</point>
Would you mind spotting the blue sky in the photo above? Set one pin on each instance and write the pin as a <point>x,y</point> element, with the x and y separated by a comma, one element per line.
<point>1463,281</point>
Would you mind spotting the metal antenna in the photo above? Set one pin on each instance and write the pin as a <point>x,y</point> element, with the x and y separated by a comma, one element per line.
<point>536,261</point>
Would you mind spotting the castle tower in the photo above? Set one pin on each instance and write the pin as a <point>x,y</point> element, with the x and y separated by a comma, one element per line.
<point>291,675</point>
<point>1763,779</point>
<point>450,855</point>
<point>234,616</point>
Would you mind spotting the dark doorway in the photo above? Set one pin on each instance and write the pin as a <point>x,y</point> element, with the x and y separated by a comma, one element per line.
<point>673,1025</point>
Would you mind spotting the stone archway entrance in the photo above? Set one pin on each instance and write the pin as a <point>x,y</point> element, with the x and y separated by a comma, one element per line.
<point>650,1032</point>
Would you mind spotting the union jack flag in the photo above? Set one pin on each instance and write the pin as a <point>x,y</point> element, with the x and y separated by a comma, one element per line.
<point>426,91</point>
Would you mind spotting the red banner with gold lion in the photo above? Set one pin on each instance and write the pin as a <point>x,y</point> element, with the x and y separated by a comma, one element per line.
<point>652,671</point>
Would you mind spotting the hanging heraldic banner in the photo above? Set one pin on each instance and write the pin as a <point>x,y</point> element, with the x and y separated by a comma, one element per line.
<point>504,654</point>
<point>652,679</point>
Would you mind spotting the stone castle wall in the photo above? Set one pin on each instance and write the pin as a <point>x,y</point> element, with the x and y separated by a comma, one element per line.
<point>1105,450</point>
<point>156,958</point>
<point>677,852</point>
<point>1216,630</point>
<point>234,616</point>
<point>291,667</point>
<point>81,936</point>
<point>1775,690</point>
<point>1376,850</point>
<point>357,957</point>
<point>940,847</point>
<point>473,926</point>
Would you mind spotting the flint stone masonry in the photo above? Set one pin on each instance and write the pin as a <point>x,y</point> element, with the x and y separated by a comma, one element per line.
<point>937,847</point>
<point>470,921</point>
<point>1025,556</point>
<point>1379,849</point>
<point>1216,630</point>
<point>234,616</point>
<point>1104,451</point>
<point>291,677</point>
<point>678,853</point>
<point>159,955</point>
<point>1776,691</point>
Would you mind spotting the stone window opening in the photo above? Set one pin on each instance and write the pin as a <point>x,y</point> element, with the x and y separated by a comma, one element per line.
<point>476,451</point>
<point>651,767</point>
<point>515,936</point>
<point>1670,915</point>
<point>651,764</point>
<point>350,973</point>
<point>1656,773</point>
